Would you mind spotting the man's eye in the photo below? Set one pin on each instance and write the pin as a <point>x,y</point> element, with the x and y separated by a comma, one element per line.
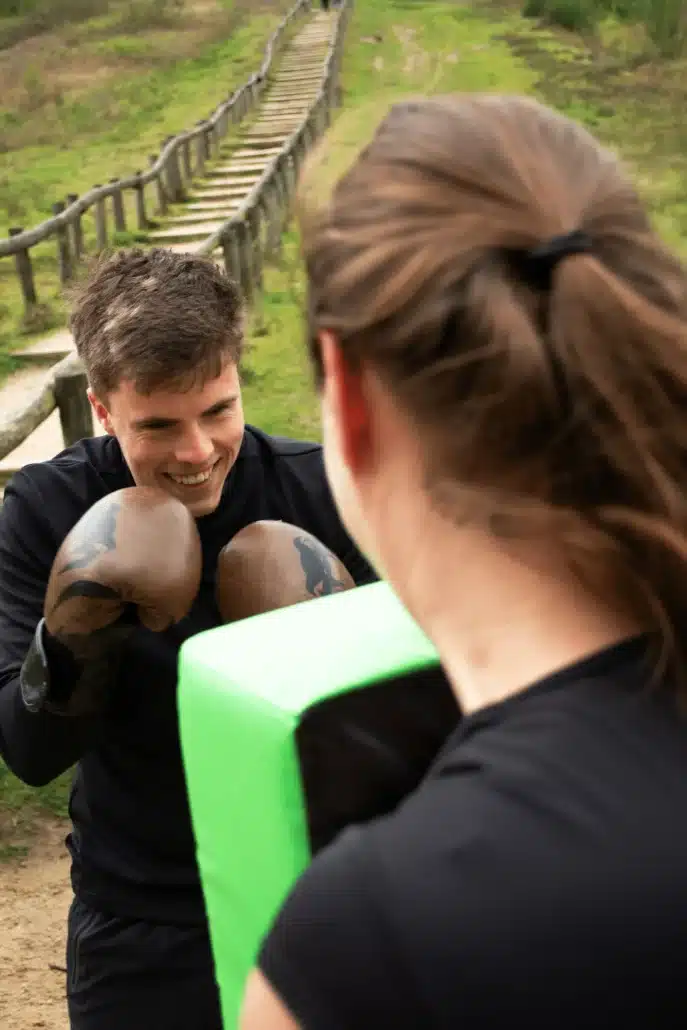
<point>226,409</point>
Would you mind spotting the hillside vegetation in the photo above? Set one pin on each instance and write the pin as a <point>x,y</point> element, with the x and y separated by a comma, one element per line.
<point>662,22</point>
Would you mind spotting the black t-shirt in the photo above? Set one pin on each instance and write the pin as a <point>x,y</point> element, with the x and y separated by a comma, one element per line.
<point>132,840</point>
<point>537,878</point>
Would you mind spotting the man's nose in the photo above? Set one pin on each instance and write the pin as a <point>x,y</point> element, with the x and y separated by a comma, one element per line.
<point>195,446</point>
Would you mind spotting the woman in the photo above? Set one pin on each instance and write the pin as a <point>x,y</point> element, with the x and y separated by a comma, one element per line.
<point>500,343</point>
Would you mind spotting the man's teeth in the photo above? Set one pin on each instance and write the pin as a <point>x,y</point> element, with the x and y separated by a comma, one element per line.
<point>200,477</point>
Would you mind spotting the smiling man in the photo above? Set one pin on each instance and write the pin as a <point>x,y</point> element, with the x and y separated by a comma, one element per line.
<point>161,336</point>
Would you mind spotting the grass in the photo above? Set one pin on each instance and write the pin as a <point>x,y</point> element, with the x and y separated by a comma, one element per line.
<point>22,808</point>
<point>664,22</point>
<point>22,19</point>
<point>632,103</point>
<point>396,48</point>
<point>69,122</point>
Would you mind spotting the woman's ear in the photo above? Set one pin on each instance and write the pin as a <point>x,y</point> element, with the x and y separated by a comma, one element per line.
<point>346,404</point>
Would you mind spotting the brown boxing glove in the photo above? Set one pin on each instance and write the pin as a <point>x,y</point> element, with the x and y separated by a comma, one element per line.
<point>272,565</point>
<point>135,550</point>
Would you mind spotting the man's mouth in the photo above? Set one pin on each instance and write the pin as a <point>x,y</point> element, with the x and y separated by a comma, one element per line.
<point>193,479</point>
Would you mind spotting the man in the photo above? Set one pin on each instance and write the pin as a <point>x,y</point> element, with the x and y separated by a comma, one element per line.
<point>161,337</point>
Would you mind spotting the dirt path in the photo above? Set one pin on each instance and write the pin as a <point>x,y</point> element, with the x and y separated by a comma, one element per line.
<point>34,898</point>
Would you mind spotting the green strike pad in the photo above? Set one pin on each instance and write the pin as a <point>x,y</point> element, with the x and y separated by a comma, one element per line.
<point>246,691</point>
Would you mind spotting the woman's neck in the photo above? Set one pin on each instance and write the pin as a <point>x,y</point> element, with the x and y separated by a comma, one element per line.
<point>504,619</point>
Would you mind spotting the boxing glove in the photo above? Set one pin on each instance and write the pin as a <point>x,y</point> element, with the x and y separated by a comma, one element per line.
<point>136,546</point>
<point>271,565</point>
<point>133,559</point>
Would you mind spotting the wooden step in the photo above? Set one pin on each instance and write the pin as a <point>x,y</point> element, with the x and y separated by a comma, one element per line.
<point>225,189</point>
<point>209,208</point>
<point>254,153</point>
<point>208,213</point>
<point>214,189</point>
<point>175,233</point>
<point>237,168</point>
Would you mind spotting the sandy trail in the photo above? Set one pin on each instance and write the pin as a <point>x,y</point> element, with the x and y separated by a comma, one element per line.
<point>35,894</point>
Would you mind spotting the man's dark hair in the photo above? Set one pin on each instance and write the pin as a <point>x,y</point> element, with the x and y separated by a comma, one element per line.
<point>156,318</point>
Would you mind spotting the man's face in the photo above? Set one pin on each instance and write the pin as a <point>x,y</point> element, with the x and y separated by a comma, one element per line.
<point>184,441</point>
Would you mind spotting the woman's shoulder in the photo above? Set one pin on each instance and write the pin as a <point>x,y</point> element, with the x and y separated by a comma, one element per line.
<point>329,954</point>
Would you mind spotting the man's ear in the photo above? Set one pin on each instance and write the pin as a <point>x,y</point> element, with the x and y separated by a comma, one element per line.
<point>347,403</point>
<point>101,412</point>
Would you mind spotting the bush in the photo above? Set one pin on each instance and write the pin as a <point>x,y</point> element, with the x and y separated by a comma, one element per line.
<point>22,18</point>
<point>576,15</point>
<point>665,21</point>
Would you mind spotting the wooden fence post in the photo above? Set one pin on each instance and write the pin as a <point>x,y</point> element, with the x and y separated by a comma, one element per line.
<point>289,176</point>
<point>100,222</point>
<point>279,201</point>
<point>234,268</point>
<point>254,220</point>
<point>213,138</point>
<point>167,173</point>
<point>22,261</point>
<point>223,123</point>
<point>200,152</point>
<point>245,249</point>
<point>63,255</point>
<point>160,186</point>
<point>118,208</point>
<point>272,217</point>
<point>176,188</point>
<point>321,115</point>
<point>77,231</point>
<point>141,219</point>
<point>231,254</point>
<point>308,138</point>
<point>76,416</point>
<point>255,250</point>
<point>186,160</point>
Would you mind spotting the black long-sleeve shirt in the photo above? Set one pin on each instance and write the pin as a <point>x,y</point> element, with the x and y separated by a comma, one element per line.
<point>537,878</point>
<point>132,844</point>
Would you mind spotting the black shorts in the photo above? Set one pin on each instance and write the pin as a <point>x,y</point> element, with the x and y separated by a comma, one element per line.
<point>128,975</point>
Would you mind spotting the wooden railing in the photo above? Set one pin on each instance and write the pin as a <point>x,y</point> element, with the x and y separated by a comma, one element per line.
<point>247,240</point>
<point>253,233</point>
<point>65,390</point>
<point>171,172</point>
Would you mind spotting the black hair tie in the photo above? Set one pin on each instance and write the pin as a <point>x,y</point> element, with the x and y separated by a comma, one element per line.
<point>536,266</point>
